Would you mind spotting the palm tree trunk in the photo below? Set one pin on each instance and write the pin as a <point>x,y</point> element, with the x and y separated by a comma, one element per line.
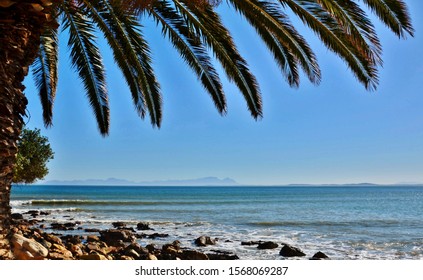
<point>20,31</point>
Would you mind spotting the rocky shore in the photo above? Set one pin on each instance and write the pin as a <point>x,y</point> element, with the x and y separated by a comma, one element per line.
<point>31,240</point>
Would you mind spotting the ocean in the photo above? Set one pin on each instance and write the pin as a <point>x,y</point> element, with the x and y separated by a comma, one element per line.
<point>344,222</point>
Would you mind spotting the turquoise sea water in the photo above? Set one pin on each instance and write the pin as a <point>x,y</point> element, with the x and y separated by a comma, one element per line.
<point>345,222</point>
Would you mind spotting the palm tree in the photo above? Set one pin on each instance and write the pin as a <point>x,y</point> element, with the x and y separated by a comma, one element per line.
<point>29,38</point>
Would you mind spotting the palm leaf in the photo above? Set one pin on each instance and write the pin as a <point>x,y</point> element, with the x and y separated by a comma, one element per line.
<point>335,39</point>
<point>87,61</point>
<point>287,45</point>
<point>207,24</point>
<point>100,15</point>
<point>191,50</point>
<point>45,73</point>
<point>394,14</point>
<point>356,25</point>
<point>128,32</point>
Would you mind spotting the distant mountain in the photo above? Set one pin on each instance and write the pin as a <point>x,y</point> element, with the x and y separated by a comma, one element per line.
<point>206,181</point>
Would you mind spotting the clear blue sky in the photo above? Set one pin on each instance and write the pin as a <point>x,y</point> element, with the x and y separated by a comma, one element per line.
<point>334,133</point>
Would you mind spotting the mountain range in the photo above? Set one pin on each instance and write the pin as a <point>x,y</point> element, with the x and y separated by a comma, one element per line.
<point>206,181</point>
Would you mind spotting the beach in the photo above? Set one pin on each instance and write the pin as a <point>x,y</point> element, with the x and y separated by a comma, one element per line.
<point>343,222</point>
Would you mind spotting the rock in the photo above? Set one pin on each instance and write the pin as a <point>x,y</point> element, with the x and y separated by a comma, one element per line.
<point>17,216</point>
<point>157,235</point>
<point>151,248</point>
<point>53,239</point>
<point>290,251</point>
<point>118,224</point>
<point>92,230</point>
<point>126,258</point>
<point>113,236</point>
<point>151,257</point>
<point>318,256</point>
<point>133,254</point>
<point>138,248</point>
<point>250,243</point>
<point>203,241</point>
<point>93,257</point>
<point>222,255</point>
<point>72,239</point>
<point>93,238</point>
<point>59,252</point>
<point>193,255</point>
<point>76,250</point>
<point>143,226</point>
<point>267,245</point>
<point>24,248</point>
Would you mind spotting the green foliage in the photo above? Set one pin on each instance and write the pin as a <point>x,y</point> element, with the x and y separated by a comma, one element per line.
<point>33,155</point>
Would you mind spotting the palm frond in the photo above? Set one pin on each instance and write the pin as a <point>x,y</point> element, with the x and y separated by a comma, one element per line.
<point>191,50</point>
<point>287,45</point>
<point>127,31</point>
<point>100,15</point>
<point>87,61</point>
<point>357,27</point>
<point>207,25</point>
<point>335,39</point>
<point>394,14</point>
<point>45,73</point>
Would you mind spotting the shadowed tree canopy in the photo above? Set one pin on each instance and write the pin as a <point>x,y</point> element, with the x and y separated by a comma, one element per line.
<point>33,155</point>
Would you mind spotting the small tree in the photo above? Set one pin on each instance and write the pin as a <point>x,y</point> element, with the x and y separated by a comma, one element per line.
<point>34,152</point>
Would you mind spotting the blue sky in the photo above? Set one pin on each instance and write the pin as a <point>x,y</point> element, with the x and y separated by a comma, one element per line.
<point>336,132</point>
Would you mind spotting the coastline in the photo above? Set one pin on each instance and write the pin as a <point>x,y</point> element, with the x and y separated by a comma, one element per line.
<point>32,240</point>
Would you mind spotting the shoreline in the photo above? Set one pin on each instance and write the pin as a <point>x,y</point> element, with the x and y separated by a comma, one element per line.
<point>33,240</point>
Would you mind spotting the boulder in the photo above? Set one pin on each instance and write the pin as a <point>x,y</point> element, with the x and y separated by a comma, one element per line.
<point>222,255</point>
<point>290,251</point>
<point>319,256</point>
<point>250,243</point>
<point>93,257</point>
<point>28,249</point>
<point>17,216</point>
<point>115,237</point>
<point>93,238</point>
<point>267,245</point>
<point>151,257</point>
<point>193,255</point>
<point>143,226</point>
<point>118,224</point>
<point>53,239</point>
<point>203,241</point>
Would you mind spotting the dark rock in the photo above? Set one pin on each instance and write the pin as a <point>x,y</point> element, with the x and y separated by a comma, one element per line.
<point>222,255</point>
<point>91,230</point>
<point>53,239</point>
<point>157,235</point>
<point>119,224</point>
<point>115,237</point>
<point>43,213</point>
<point>250,243</point>
<point>143,226</point>
<point>267,245</point>
<point>203,241</point>
<point>318,256</point>
<point>193,255</point>
<point>151,248</point>
<point>137,248</point>
<point>93,238</point>
<point>290,251</point>
<point>17,216</point>
<point>72,239</point>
